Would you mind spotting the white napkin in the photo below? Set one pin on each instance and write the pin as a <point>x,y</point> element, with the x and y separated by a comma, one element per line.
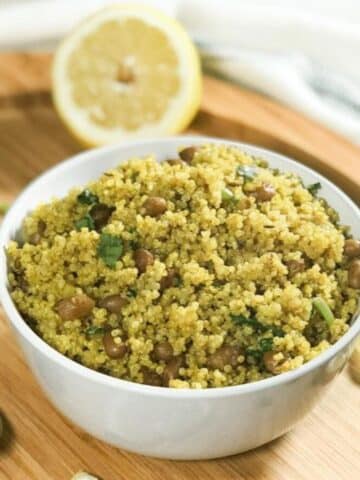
<point>303,54</point>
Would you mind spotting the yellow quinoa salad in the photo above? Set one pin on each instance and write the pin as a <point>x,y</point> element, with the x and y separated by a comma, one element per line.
<point>206,270</point>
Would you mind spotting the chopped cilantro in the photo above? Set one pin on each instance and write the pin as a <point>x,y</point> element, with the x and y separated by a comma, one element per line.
<point>265,344</point>
<point>94,330</point>
<point>256,325</point>
<point>247,172</point>
<point>255,353</point>
<point>85,222</point>
<point>314,188</point>
<point>251,322</point>
<point>132,292</point>
<point>110,249</point>
<point>87,198</point>
<point>276,331</point>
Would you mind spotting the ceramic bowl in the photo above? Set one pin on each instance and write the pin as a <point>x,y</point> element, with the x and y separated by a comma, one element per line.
<point>163,422</point>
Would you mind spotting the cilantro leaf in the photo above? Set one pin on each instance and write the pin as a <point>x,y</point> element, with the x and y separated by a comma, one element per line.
<point>94,330</point>
<point>85,222</point>
<point>314,188</point>
<point>251,322</point>
<point>132,292</point>
<point>87,198</point>
<point>265,344</point>
<point>256,325</point>
<point>110,249</point>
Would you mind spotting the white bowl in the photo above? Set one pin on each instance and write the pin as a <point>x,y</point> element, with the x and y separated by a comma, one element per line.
<point>163,422</point>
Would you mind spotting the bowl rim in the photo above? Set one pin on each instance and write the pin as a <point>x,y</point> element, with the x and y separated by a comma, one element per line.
<point>51,354</point>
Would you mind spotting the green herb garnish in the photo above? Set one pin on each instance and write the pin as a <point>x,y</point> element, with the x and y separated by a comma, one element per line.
<point>256,325</point>
<point>110,249</point>
<point>314,188</point>
<point>251,322</point>
<point>276,331</point>
<point>247,172</point>
<point>94,330</point>
<point>265,344</point>
<point>132,292</point>
<point>323,308</point>
<point>87,198</point>
<point>255,353</point>
<point>85,222</point>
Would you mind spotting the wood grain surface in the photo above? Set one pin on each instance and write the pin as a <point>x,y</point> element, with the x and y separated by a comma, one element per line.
<point>39,444</point>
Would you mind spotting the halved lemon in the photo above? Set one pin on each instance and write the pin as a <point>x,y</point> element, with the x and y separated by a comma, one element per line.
<point>127,71</point>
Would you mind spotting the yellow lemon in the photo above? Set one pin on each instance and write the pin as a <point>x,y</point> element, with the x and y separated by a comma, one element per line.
<point>127,71</point>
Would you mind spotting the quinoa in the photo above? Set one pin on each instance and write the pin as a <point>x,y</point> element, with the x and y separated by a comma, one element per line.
<point>236,252</point>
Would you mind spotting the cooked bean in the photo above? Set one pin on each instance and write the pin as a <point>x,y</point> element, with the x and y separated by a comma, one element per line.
<point>171,370</point>
<point>100,213</point>
<point>175,161</point>
<point>295,266</point>
<point>155,206</point>
<point>270,362</point>
<point>78,306</point>
<point>354,274</point>
<point>168,280</point>
<point>352,248</point>
<point>265,192</point>
<point>113,303</point>
<point>225,355</point>
<point>163,351</point>
<point>113,349</point>
<point>143,258</point>
<point>187,154</point>
<point>151,378</point>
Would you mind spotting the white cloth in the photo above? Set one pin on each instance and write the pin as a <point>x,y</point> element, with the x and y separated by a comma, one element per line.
<point>305,54</point>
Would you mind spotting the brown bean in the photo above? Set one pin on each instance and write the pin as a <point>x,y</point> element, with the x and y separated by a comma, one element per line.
<point>143,258</point>
<point>171,370</point>
<point>295,266</point>
<point>113,349</point>
<point>168,280</point>
<point>354,274</point>
<point>264,193</point>
<point>113,303</point>
<point>151,378</point>
<point>163,351</point>
<point>271,364</point>
<point>100,213</point>
<point>352,248</point>
<point>225,355</point>
<point>187,154</point>
<point>155,206</point>
<point>175,161</point>
<point>78,306</point>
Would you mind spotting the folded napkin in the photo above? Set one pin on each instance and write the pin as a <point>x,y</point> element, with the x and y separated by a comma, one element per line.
<point>304,55</point>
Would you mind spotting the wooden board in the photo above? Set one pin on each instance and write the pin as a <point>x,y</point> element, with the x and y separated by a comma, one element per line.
<point>39,444</point>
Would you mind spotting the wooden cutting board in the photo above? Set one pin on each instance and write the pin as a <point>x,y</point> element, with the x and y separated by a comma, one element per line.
<point>39,444</point>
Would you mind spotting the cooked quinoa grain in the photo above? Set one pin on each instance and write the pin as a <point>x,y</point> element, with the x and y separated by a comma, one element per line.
<point>206,272</point>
